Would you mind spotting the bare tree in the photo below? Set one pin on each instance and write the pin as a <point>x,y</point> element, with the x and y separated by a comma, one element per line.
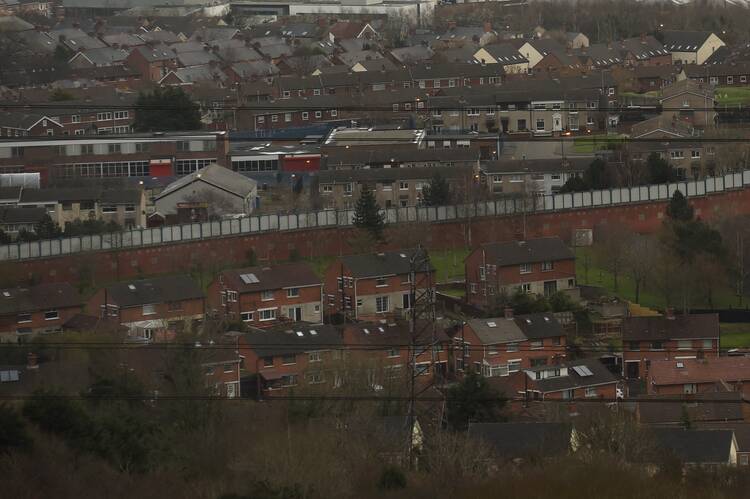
<point>639,261</point>
<point>611,250</point>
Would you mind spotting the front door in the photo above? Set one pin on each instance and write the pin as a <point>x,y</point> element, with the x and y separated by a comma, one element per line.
<point>556,122</point>
<point>504,125</point>
<point>295,314</point>
<point>550,288</point>
<point>631,370</point>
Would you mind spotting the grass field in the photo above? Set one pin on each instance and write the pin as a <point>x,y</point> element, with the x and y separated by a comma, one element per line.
<point>593,143</point>
<point>449,264</point>
<point>723,298</point>
<point>732,96</point>
<point>735,335</point>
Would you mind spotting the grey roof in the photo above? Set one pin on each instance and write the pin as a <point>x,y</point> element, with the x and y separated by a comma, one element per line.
<point>158,53</point>
<point>496,330</point>
<point>39,297</point>
<point>412,54</point>
<point>552,165</point>
<point>156,290</point>
<point>644,47</point>
<point>380,264</point>
<point>530,251</point>
<point>505,53</point>
<point>684,41</point>
<point>702,407</point>
<point>286,340</point>
<point>276,51</point>
<point>113,196</point>
<point>376,155</point>
<point>600,375</point>
<point>10,193</point>
<point>163,36</point>
<point>251,69</point>
<point>13,215</point>
<point>191,46</point>
<point>194,74</point>
<point>693,326</point>
<point>196,58</point>
<point>540,325</point>
<point>254,279</point>
<point>352,58</point>
<point>695,446</point>
<point>13,23</point>
<point>390,175</point>
<point>218,176</point>
<point>520,440</point>
<point>104,56</point>
<point>123,39</point>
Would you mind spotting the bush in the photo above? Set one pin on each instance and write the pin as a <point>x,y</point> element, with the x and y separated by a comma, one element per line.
<point>392,478</point>
<point>13,435</point>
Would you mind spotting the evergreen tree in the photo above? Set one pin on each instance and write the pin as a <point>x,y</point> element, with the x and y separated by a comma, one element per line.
<point>166,109</point>
<point>659,171</point>
<point>473,400</point>
<point>367,214</point>
<point>679,209</point>
<point>596,175</point>
<point>438,193</point>
<point>47,229</point>
<point>4,237</point>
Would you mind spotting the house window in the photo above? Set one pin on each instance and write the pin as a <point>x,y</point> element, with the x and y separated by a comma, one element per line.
<point>51,315</point>
<point>689,388</point>
<point>743,79</point>
<point>482,275</point>
<point>318,114</point>
<point>381,304</point>
<point>173,306</point>
<point>261,119</point>
<point>292,293</point>
<point>24,318</point>
<point>315,378</point>
<point>387,186</point>
<point>316,91</point>
<point>274,118</point>
<point>232,296</point>
<point>547,266</point>
<point>514,366</point>
<point>473,288</point>
<point>707,344</point>
<point>634,346</point>
<point>590,392</point>
<point>684,345</point>
<point>246,316</point>
<point>109,208</point>
<point>75,118</point>
<point>657,345</point>
<point>695,154</point>
<point>103,116</point>
<point>315,357</point>
<point>512,347</point>
<point>287,117</point>
<point>288,359</point>
<point>403,186</point>
<point>536,345</point>
<point>381,282</point>
<point>730,80</point>
<point>149,309</point>
<point>289,380</point>
<point>305,116</point>
<point>525,288</point>
<point>267,361</point>
<point>266,295</point>
<point>525,268</point>
<point>268,314</point>
<point>540,125</point>
<point>334,113</point>
<point>327,188</point>
<point>121,115</point>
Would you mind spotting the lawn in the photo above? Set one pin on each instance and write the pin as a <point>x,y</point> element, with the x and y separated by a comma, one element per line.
<point>651,298</point>
<point>591,143</point>
<point>449,264</point>
<point>732,96</point>
<point>735,335</point>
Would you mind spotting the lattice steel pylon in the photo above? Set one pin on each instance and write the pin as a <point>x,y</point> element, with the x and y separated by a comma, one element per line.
<point>423,335</point>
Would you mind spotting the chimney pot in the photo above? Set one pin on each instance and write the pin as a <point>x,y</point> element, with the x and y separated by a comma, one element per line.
<point>508,313</point>
<point>670,313</point>
<point>31,361</point>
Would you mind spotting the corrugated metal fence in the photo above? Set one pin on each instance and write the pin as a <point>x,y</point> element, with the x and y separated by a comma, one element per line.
<point>269,223</point>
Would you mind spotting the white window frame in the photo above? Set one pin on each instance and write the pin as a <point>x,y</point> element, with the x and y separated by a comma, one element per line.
<point>149,309</point>
<point>267,314</point>
<point>247,316</point>
<point>382,304</point>
<point>292,293</point>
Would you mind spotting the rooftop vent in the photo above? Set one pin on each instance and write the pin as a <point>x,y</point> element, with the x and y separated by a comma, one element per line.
<point>491,324</point>
<point>131,287</point>
<point>367,331</point>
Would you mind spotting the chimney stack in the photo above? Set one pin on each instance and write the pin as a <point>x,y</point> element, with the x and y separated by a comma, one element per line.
<point>669,312</point>
<point>509,313</point>
<point>31,361</point>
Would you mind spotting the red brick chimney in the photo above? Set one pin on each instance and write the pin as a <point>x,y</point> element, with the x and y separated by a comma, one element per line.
<point>508,313</point>
<point>31,361</point>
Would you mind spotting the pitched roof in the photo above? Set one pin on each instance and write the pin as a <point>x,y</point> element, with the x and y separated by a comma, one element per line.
<point>539,325</point>
<point>216,175</point>
<point>390,175</point>
<point>695,446</point>
<point>154,290</point>
<point>702,407</point>
<point>412,54</point>
<point>496,330</point>
<point>727,369</point>
<point>518,440</point>
<point>114,196</point>
<point>505,53</point>
<point>692,326</point>
<point>292,339</point>
<point>552,165</point>
<point>39,297</point>
<point>576,378</point>
<point>741,432</point>
<point>393,334</point>
<point>14,215</point>
<point>529,251</point>
<point>254,279</point>
<point>381,264</point>
<point>684,41</point>
<point>154,54</point>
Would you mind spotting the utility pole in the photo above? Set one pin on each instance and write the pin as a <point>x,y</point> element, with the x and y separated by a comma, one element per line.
<point>422,335</point>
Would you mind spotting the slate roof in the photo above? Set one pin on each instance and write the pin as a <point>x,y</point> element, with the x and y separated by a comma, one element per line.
<point>684,41</point>
<point>741,432</point>
<point>519,440</point>
<point>10,193</point>
<point>496,330</point>
<point>156,290</point>
<point>255,68</point>
<point>692,326</point>
<point>644,48</point>
<point>391,174</point>
<point>539,325</point>
<point>291,275</point>
<point>346,29</point>
<point>505,53</point>
<point>695,446</point>
<point>39,297</point>
<point>723,69</point>
<point>552,165</point>
<point>154,54</point>
<point>728,369</point>
<point>339,157</point>
<point>702,407</point>
<point>115,196</point>
<point>412,54</point>
<point>216,175</point>
<point>13,215</point>
<point>105,56</point>
<point>196,58</point>
<point>392,334</point>
<point>285,340</point>
<point>530,251</point>
<point>600,376</point>
<point>381,264</point>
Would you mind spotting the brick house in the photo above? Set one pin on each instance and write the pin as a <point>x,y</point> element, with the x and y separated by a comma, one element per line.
<point>691,375</point>
<point>304,355</point>
<point>264,296</point>
<point>375,285</point>
<point>579,379</point>
<point>733,74</point>
<point>153,63</point>
<point>152,309</point>
<point>384,351</point>
<point>504,345</point>
<point>691,47</point>
<point>43,308</point>
<point>495,271</point>
<point>671,337</point>
<point>690,102</point>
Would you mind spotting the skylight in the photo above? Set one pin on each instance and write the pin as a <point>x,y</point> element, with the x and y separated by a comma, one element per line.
<point>313,332</point>
<point>492,324</point>
<point>249,278</point>
<point>300,334</point>
<point>131,287</point>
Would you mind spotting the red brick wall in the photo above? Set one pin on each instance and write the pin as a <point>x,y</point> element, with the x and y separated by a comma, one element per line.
<point>550,349</point>
<point>10,324</point>
<point>602,392</point>
<point>670,351</point>
<point>133,314</point>
<point>106,266</point>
